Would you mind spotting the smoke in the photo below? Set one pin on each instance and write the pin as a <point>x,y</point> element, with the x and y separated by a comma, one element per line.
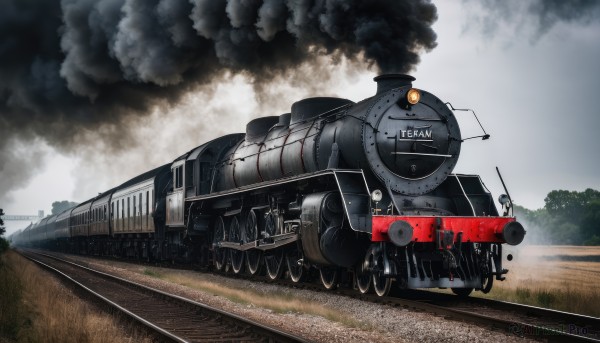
<point>88,73</point>
<point>575,11</point>
<point>539,15</point>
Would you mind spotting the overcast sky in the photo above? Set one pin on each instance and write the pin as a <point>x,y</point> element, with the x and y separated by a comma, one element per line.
<point>533,79</point>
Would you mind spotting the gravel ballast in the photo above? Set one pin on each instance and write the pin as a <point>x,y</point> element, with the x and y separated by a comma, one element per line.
<point>377,322</point>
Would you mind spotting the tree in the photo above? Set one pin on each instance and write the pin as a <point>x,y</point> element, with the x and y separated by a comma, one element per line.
<point>3,242</point>
<point>568,217</point>
<point>590,223</point>
<point>2,228</point>
<point>60,206</point>
<point>571,205</point>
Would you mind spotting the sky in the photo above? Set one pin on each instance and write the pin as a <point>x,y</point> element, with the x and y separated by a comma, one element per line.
<point>529,71</point>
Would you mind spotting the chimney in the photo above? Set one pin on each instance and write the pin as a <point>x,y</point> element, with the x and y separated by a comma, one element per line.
<point>387,82</point>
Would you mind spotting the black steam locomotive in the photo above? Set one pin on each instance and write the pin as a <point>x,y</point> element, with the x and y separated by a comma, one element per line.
<point>362,190</point>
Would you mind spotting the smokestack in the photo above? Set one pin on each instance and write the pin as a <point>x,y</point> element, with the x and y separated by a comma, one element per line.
<point>386,82</point>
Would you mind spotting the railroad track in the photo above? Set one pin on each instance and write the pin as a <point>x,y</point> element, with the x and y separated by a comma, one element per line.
<point>171,317</point>
<point>520,320</point>
<point>517,319</point>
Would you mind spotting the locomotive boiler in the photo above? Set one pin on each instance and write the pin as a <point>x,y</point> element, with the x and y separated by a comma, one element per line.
<point>349,191</point>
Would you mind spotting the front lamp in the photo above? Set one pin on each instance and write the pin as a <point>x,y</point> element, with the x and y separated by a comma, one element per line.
<point>413,96</point>
<point>376,196</point>
<point>503,199</point>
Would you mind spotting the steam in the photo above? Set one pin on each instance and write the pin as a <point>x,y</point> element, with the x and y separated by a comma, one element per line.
<point>88,73</point>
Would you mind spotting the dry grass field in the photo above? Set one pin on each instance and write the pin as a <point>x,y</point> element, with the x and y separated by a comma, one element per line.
<point>560,277</point>
<point>34,307</point>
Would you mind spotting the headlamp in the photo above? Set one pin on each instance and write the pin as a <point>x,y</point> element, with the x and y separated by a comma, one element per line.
<point>376,196</point>
<point>413,96</point>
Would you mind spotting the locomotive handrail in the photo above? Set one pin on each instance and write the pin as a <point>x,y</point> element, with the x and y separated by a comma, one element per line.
<point>420,154</point>
<point>485,134</point>
<point>465,194</point>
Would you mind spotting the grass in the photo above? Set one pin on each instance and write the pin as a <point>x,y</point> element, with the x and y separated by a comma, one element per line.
<point>34,308</point>
<point>537,277</point>
<point>152,273</point>
<point>12,315</point>
<point>278,302</point>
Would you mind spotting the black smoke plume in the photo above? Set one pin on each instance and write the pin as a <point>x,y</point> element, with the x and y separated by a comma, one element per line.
<point>68,67</point>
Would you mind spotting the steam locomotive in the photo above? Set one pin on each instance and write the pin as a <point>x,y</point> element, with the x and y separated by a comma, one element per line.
<point>354,191</point>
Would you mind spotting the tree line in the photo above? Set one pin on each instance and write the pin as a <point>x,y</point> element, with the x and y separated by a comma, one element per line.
<point>3,242</point>
<point>567,218</point>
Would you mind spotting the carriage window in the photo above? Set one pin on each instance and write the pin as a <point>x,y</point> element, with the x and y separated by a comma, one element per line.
<point>128,212</point>
<point>175,178</point>
<point>141,209</point>
<point>178,175</point>
<point>147,208</point>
